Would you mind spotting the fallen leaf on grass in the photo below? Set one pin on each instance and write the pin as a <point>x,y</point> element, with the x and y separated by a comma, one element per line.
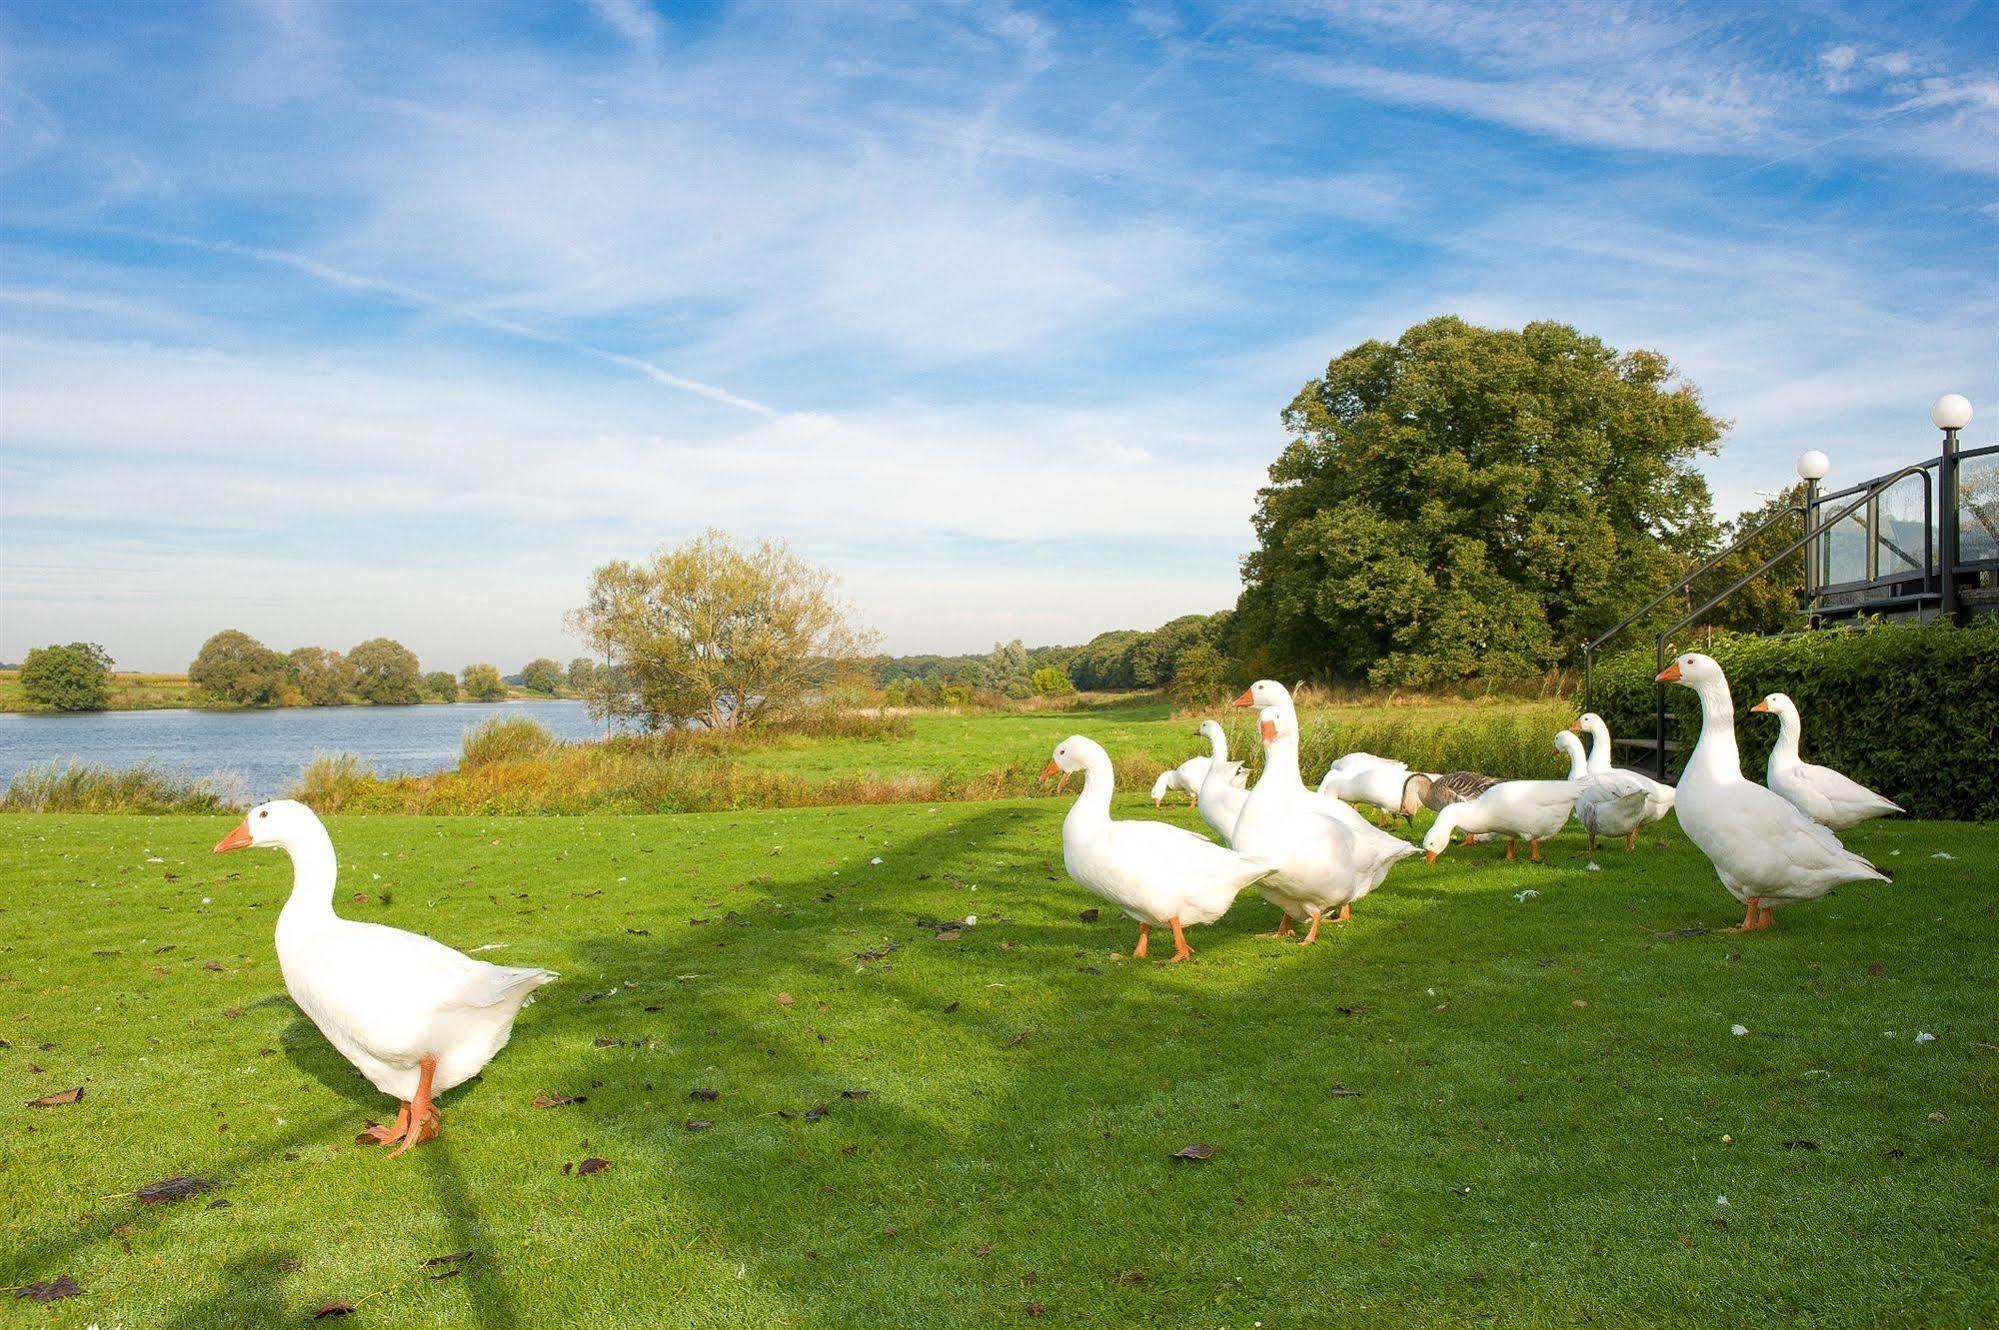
<point>1132,1278</point>
<point>703,1092</point>
<point>1196,1152</point>
<point>62,1286</point>
<point>1801,1145</point>
<point>816,1112</point>
<point>983,1249</point>
<point>856,1094</point>
<point>176,1188</point>
<point>591,1165</point>
<point>1341,1092</point>
<point>1089,916</point>
<point>1036,1309</point>
<point>449,1258</point>
<point>607,1043</point>
<point>215,966</point>
<point>58,1099</point>
<point>1877,969</point>
<point>697,1124</point>
<point>949,934</point>
<point>326,1310</point>
<point>558,1100</point>
<point>785,999</point>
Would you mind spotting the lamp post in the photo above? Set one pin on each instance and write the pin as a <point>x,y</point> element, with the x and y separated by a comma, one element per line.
<point>1950,414</point>
<point>1813,466</point>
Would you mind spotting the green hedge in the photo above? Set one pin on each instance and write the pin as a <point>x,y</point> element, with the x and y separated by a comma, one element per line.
<point>1911,711</point>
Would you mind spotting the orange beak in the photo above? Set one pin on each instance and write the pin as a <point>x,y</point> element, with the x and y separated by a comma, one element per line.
<point>1576,728</point>
<point>1051,769</point>
<point>1245,700</point>
<point>1671,674</point>
<point>238,839</point>
<point>1429,856</point>
<point>1269,731</point>
<point>1761,706</point>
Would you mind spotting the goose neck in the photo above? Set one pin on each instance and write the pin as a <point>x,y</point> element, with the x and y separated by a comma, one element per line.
<point>314,871</point>
<point>1716,754</point>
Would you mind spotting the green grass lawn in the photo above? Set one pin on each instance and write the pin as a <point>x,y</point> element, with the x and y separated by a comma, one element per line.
<point>967,744</point>
<point>1543,1090</point>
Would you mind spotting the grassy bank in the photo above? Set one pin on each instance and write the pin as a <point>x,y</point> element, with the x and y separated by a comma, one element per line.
<point>511,767</point>
<point>1465,1108</point>
<point>129,692</point>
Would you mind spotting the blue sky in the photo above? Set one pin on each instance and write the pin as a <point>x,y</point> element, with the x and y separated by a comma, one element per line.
<point>327,320</point>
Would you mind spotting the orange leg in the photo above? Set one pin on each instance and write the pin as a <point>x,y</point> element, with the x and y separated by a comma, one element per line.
<point>1312,933</point>
<point>1144,941</point>
<point>1284,928</point>
<point>1534,849</point>
<point>1468,840</point>
<point>1630,840</point>
<point>388,1135</point>
<point>1181,951</point>
<point>1748,924</point>
<point>1346,913</point>
<point>1592,842</point>
<point>423,1113</point>
<point>1509,849</point>
<point>1765,918</point>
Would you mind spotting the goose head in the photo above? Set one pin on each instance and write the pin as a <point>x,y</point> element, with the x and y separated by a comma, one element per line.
<point>1777,704</point>
<point>280,824</point>
<point>1265,693</point>
<point>1693,670</point>
<point>1586,722</point>
<point>1438,838</point>
<point>1571,747</point>
<point>1211,730</point>
<point>1167,780</point>
<point>1272,724</point>
<point>1072,755</point>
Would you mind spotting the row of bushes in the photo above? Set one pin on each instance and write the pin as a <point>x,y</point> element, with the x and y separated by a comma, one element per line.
<point>72,787</point>
<point>1911,711</point>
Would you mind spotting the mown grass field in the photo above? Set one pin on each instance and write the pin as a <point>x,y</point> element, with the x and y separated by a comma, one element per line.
<point>1466,1108</point>
<point>129,692</point>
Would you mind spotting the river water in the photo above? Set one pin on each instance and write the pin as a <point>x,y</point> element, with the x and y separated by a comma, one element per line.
<point>266,749</point>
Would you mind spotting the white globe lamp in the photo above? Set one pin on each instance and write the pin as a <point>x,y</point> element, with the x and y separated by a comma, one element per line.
<point>1952,411</point>
<point>1813,465</point>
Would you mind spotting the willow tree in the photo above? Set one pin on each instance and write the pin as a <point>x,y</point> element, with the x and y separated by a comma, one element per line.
<point>1472,501</point>
<point>714,633</point>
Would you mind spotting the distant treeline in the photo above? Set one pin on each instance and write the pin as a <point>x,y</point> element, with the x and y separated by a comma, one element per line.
<point>1188,656</point>
<point>234,669</point>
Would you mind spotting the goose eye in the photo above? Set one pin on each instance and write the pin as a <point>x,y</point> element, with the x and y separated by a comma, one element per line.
<point>263,812</point>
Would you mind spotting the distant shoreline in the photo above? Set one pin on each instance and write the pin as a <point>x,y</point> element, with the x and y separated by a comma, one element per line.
<point>138,690</point>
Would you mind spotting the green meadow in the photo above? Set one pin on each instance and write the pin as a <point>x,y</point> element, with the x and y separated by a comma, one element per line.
<point>1503,1095</point>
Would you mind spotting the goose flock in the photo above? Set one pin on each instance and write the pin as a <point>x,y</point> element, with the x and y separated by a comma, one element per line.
<point>1311,854</point>
<point>417,1018</point>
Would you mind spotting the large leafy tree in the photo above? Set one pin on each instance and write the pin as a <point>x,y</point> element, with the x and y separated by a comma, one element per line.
<point>235,669</point>
<point>386,673</point>
<point>1471,500</point>
<point>76,677</point>
<point>541,675</point>
<point>323,677</point>
<point>714,632</point>
<point>484,684</point>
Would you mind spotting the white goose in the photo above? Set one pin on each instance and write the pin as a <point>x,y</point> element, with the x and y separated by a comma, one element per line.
<point>1659,797</point>
<point>1187,776</point>
<point>1530,810</point>
<point>416,1017</point>
<point>1766,852</point>
<point>1350,764</point>
<point>1327,856</point>
<point>1609,803</point>
<point>1384,784</point>
<point>1222,793</point>
<point>1159,875</point>
<point>1825,796</point>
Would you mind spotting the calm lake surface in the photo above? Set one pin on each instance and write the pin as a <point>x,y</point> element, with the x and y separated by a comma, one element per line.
<point>267,748</point>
